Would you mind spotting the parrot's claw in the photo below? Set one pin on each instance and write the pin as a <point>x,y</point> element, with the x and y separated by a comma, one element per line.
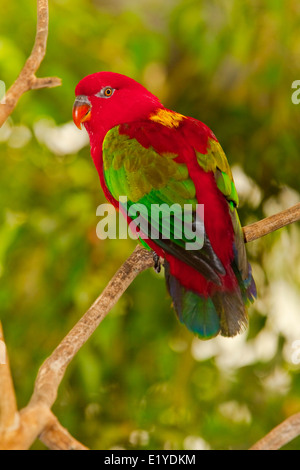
<point>157,263</point>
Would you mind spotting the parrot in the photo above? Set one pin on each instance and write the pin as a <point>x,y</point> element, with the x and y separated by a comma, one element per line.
<point>156,158</point>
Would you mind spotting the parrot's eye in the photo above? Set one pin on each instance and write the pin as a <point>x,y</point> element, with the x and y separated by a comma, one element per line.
<point>106,92</point>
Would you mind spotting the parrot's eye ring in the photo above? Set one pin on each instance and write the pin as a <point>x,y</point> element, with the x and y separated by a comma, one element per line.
<point>106,92</point>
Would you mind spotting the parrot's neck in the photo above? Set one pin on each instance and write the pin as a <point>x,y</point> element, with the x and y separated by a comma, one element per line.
<point>97,156</point>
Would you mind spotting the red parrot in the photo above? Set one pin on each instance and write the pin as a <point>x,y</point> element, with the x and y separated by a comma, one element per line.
<point>155,156</point>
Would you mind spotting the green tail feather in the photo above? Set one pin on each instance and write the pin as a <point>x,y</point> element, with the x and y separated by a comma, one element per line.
<point>199,315</point>
<point>224,312</point>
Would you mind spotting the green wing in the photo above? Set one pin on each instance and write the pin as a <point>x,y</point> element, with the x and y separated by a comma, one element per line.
<point>135,171</point>
<point>154,181</point>
<point>215,160</point>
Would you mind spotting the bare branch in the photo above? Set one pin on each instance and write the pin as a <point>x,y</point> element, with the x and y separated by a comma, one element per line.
<point>56,437</point>
<point>272,223</point>
<point>8,404</point>
<point>20,430</point>
<point>27,79</point>
<point>30,423</point>
<point>46,82</point>
<point>281,435</point>
<point>37,421</point>
<point>53,369</point>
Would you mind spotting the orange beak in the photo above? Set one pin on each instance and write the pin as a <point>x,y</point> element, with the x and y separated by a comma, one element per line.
<point>81,110</point>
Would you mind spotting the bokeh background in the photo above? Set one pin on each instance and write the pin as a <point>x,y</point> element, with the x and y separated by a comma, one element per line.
<point>142,381</point>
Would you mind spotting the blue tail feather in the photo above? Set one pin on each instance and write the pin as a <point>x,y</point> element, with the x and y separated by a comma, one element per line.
<point>224,312</point>
<point>197,313</point>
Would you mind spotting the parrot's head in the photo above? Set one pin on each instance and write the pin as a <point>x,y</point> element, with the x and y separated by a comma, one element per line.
<point>106,99</point>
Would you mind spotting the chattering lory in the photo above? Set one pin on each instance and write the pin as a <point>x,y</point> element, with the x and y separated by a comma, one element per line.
<point>157,158</point>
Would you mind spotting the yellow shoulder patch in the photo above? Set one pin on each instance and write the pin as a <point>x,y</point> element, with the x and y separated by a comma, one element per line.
<point>167,118</point>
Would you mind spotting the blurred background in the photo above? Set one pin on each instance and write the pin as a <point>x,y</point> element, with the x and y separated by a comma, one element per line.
<point>143,381</point>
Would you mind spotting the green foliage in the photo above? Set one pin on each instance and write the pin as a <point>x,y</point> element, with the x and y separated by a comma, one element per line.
<point>142,380</point>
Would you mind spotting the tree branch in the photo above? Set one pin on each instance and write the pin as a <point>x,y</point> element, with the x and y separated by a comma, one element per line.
<point>8,403</point>
<point>18,430</point>
<point>270,224</point>
<point>281,435</point>
<point>30,423</point>
<point>27,79</point>
<point>36,420</point>
<point>53,369</point>
<point>56,437</point>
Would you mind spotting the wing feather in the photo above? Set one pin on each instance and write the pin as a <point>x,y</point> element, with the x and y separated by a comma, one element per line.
<point>149,178</point>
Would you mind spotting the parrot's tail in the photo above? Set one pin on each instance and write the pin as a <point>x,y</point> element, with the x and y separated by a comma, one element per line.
<point>224,312</point>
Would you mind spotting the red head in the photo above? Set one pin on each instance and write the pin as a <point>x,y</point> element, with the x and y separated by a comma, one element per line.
<point>106,99</point>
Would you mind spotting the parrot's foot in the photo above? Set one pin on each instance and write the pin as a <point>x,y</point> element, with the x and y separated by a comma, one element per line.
<point>157,263</point>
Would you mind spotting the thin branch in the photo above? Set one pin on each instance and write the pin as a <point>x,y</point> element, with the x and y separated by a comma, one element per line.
<point>270,224</point>
<point>8,403</point>
<point>27,79</point>
<point>56,437</point>
<point>281,435</point>
<point>36,420</point>
<point>18,430</point>
<point>31,422</point>
<point>53,369</point>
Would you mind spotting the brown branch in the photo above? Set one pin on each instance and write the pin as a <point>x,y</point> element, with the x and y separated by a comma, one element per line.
<point>8,404</point>
<point>281,435</point>
<point>27,79</point>
<point>18,430</point>
<point>272,223</point>
<point>56,437</point>
<point>30,423</point>
<point>53,369</point>
<point>36,420</point>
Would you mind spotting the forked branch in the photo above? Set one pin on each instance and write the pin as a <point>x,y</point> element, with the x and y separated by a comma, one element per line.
<point>27,79</point>
<point>53,369</point>
<point>18,430</point>
<point>37,415</point>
